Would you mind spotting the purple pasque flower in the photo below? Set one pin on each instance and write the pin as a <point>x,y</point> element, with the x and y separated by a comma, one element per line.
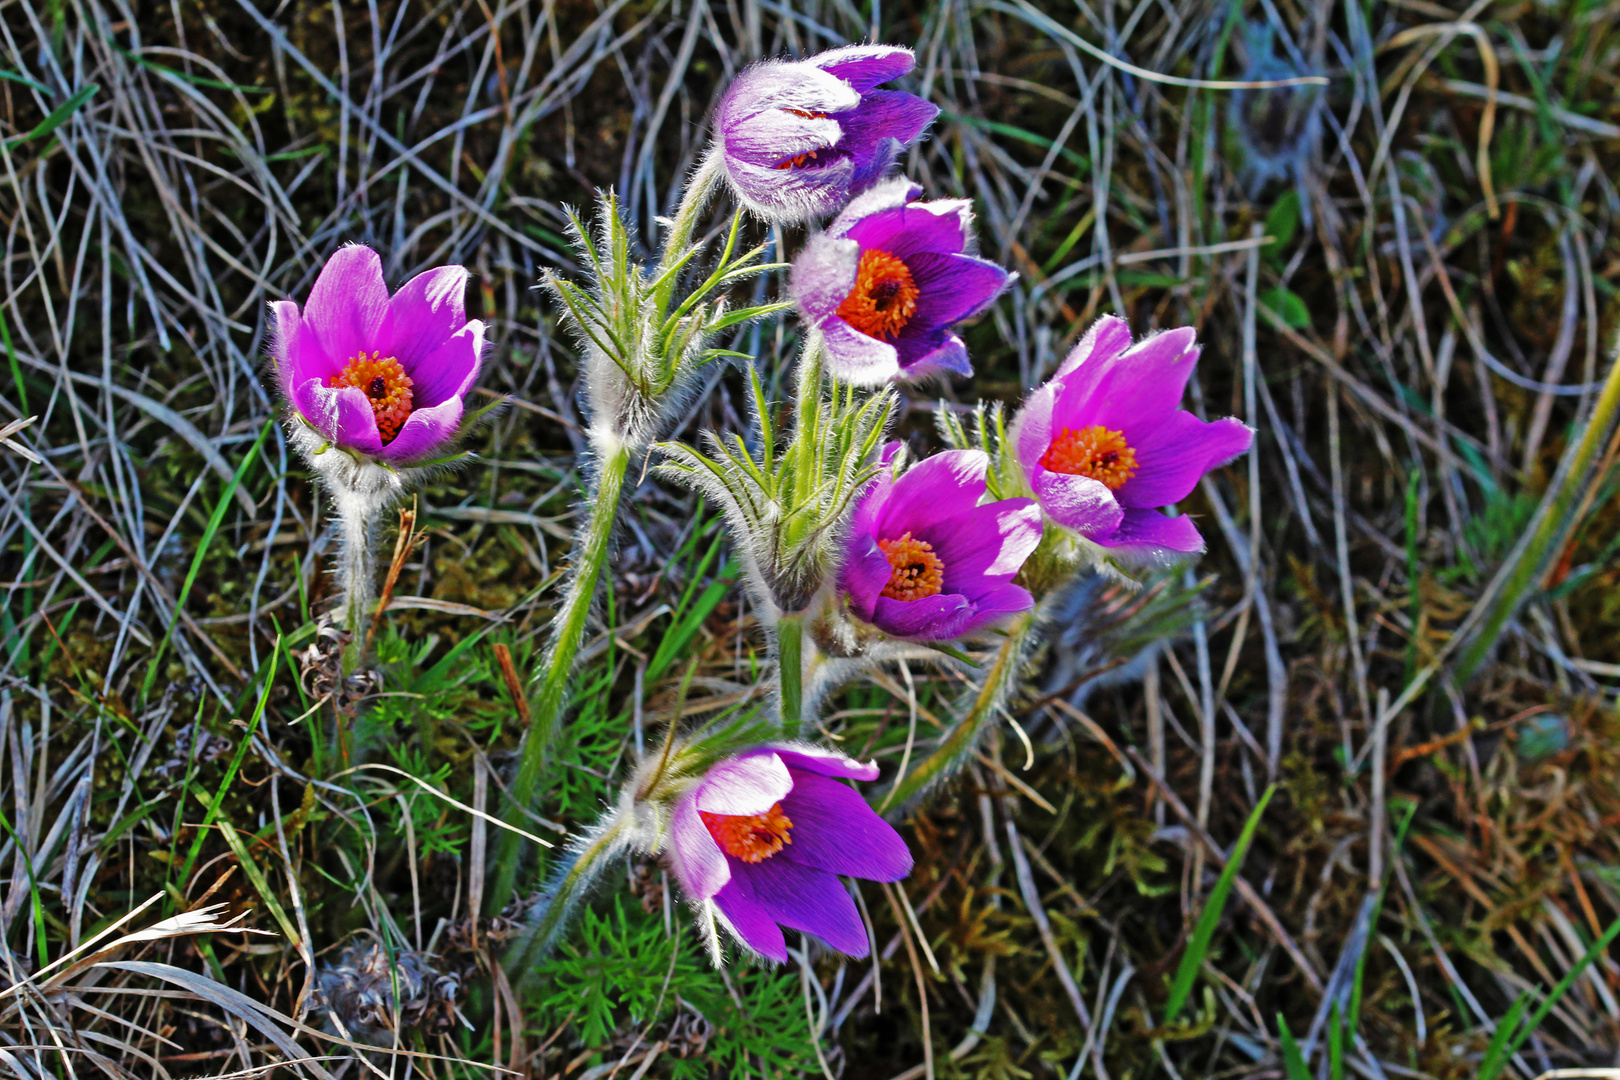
<point>925,561</point>
<point>796,138</point>
<point>1105,444</point>
<point>887,279</point>
<point>382,376</point>
<point>765,835</point>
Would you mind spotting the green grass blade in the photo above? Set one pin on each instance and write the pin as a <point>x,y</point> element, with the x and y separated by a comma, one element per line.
<point>1198,947</point>
<point>1497,1052</point>
<point>57,118</point>
<point>1294,1066</point>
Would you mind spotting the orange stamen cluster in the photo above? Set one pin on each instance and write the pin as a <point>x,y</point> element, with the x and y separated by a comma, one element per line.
<point>1092,451</point>
<point>798,161</point>
<point>387,387</point>
<point>884,297</point>
<point>751,838</point>
<point>915,571</point>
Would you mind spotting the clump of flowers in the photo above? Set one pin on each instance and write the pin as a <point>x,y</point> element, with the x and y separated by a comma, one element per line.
<point>796,138</point>
<point>885,282</point>
<point>1105,444</point>
<point>375,388</point>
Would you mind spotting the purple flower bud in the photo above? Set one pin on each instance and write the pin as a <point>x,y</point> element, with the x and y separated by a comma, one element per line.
<point>925,561</point>
<point>1105,443</point>
<point>798,137</point>
<point>765,835</point>
<point>887,280</point>
<point>382,376</point>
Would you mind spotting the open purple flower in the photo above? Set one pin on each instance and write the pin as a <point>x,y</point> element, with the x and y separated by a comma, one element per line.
<point>925,561</point>
<point>765,835</point>
<point>797,137</point>
<point>886,281</point>
<point>382,376</point>
<point>1105,444</point>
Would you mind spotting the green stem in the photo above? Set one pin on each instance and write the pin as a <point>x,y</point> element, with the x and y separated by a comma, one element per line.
<point>693,202</point>
<point>1553,525</point>
<point>790,671</point>
<point>568,630</point>
<point>998,681</point>
<point>532,945</point>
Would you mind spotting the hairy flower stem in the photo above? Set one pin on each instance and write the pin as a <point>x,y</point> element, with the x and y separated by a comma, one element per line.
<point>679,239</point>
<point>567,890</point>
<point>567,631</point>
<point>357,516</point>
<point>998,681</point>
<point>790,672</point>
<point>1553,523</point>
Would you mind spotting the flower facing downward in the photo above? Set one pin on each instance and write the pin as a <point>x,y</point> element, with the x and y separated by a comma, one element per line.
<point>797,138</point>
<point>764,836</point>
<point>1105,443</point>
<point>380,376</point>
<point>886,281</point>
<point>925,561</point>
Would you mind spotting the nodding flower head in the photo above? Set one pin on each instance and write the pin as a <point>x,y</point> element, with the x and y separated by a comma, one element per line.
<point>925,561</point>
<point>886,281</point>
<point>382,377</point>
<point>797,138</point>
<point>1105,444</point>
<point>765,834</point>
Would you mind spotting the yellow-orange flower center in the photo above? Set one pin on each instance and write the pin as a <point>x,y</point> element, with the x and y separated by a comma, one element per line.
<point>884,297</point>
<point>387,387</point>
<point>751,838</point>
<point>1092,451</point>
<point>915,572</point>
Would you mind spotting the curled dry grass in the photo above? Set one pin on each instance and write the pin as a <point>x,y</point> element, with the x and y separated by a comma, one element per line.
<point>1425,326</point>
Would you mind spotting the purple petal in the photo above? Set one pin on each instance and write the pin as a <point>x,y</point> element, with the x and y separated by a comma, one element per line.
<point>866,571</point>
<point>749,919</point>
<point>788,196</point>
<point>1031,432</point>
<point>750,783</point>
<point>1077,502</point>
<point>906,231</point>
<point>933,618</point>
<point>803,757</point>
<point>807,899</point>
<point>886,122</point>
<point>423,314</point>
<point>346,305</point>
<point>954,287</point>
<point>424,432</point>
<point>997,604</point>
<point>823,275</point>
<point>1180,451</point>
<point>856,358</point>
<point>342,414</point>
<point>888,195</point>
<point>1134,391</point>
<point>834,830</point>
<point>986,542</point>
<point>926,356</point>
<point>865,66</point>
<point>773,136</point>
<point>937,488</point>
<point>1149,535</point>
<point>450,370</point>
<point>699,864</point>
<point>1106,338</point>
<point>775,85</point>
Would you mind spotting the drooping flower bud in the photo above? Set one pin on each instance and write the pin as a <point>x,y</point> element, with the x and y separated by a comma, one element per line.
<point>886,281</point>
<point>924,561</point>
<point>797,138</point>
<point>1105,444</point>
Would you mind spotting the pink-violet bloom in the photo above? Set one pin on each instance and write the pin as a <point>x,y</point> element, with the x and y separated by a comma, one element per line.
<point>381,376</point>
<point>925,561</point>
<point>1105,444</point>
<point>765,835</point>
<point>796,138</point>
<point>886,281</point>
